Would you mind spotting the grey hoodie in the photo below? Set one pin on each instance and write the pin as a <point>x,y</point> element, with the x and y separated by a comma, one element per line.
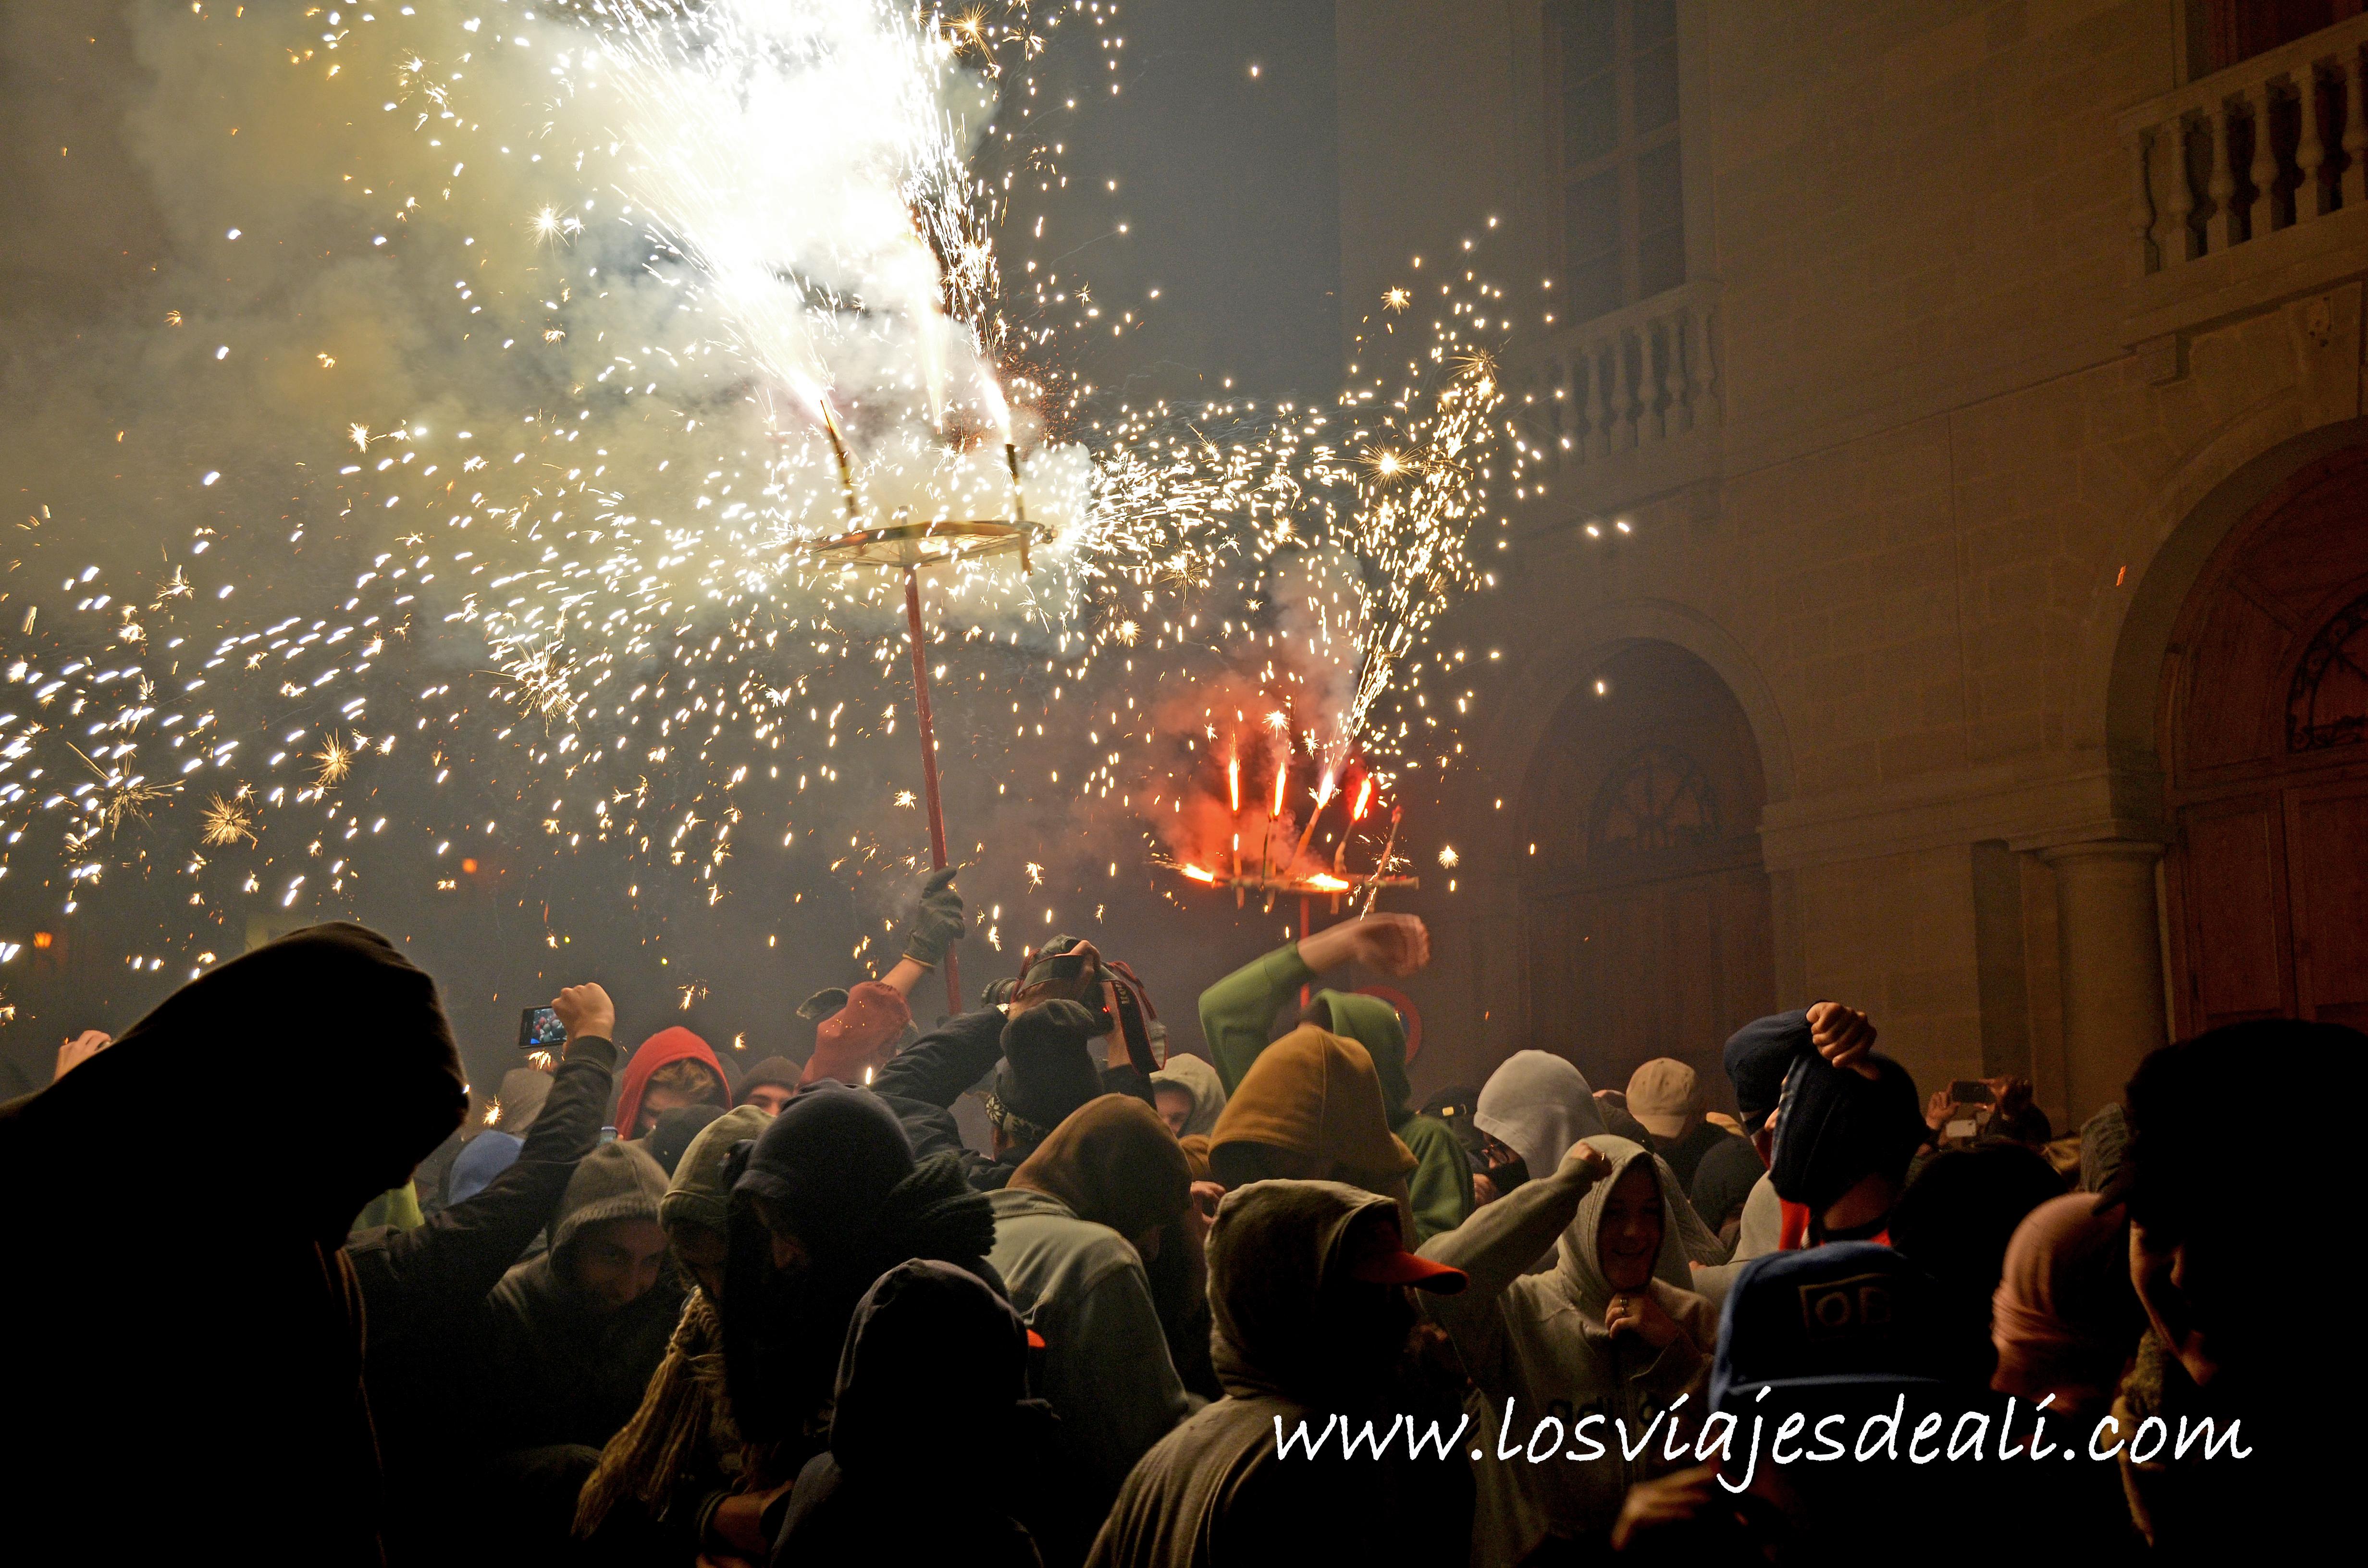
<point>564,1367</point>
<point>1535,1346</point>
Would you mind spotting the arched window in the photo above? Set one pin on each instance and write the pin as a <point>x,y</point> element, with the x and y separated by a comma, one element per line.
<point>1655,802</point>
<point>2328,704</point>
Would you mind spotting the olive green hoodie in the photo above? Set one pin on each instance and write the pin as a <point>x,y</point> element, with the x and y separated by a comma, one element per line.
<point>1235,1016</point>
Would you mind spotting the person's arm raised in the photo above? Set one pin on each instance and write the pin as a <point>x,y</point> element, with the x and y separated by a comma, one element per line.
<point>1236,1011</point>
<point>411,1278</point>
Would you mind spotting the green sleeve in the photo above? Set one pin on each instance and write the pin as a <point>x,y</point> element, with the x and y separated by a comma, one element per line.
<point>1236,1011</point>
<point>1440,1185</point>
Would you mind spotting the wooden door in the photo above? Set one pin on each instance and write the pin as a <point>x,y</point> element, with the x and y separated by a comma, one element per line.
<point>1649,930</point>
<point>2265,730</point>
<point>2327,834</point>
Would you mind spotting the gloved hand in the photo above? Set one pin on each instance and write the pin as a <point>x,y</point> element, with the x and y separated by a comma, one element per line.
<point>938,923</point>
<point>1058,1026</point>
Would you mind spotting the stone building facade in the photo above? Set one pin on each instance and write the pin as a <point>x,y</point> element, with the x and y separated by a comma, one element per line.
<point>1948,591</point>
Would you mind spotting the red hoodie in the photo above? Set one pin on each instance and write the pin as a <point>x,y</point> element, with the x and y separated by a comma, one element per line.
<point>677,1044</point>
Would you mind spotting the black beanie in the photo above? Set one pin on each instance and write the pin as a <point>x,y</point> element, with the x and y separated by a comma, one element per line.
<point>1835,1126</point>
<point>1048,1068</point>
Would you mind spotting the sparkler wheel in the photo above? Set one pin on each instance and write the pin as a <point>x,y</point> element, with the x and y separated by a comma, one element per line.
<point>910,546</point>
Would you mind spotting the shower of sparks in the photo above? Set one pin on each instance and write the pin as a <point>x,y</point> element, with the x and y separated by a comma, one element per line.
<point>634,651</point>
<point>335,761</point>
<point>224,823</point>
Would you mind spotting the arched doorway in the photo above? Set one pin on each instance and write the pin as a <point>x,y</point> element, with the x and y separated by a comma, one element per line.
<point>1648,927</point>
<point>2264,738</point>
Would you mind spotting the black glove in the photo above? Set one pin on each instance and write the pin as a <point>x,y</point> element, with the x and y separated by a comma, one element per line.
<point>937,925</point>
<point>1055,1028</point>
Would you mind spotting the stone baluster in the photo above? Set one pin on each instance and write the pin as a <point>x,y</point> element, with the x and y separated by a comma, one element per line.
<point>1598,405</point>
<point>2149,254</point>
<point>2220,227</point>
<point>2181,208</point>
<point>1627,400</point>
<point>1567,431</point>
<point>2355,134</point>
<point>1653,425</point>
<point>1679,413</point>
<point>2310,149</point>
<point>1701,371</point>
<point>2262,216</point>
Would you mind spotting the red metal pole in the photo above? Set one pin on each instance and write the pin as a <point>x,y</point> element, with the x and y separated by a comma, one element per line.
<point>1303,934</point>
<point>929,764</point>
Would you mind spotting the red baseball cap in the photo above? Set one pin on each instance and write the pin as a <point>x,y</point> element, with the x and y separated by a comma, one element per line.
<point>1378,1256</point>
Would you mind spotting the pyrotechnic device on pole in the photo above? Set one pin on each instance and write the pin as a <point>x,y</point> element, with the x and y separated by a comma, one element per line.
<point>911,548</point>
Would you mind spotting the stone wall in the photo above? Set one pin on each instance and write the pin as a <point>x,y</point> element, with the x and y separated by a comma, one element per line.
<point>1957,470</point>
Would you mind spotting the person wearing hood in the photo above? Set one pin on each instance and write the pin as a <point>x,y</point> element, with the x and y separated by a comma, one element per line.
<point>1307,1280</point>
<point>672,1068</point>
<point>223,1387</point>
<point>1533,1109</point>
<point>1837,1124</point>
<point>660,1480</point>
<point>576,1333</point>
<point>1188,1095</point>
<point>1237,1016</point>
<point>827,1199</point>
<point>1310,1108</point>
<point>2064,1314</point>
<point>1036,1053</point>
<point>426,1288</point>
<point>1613,1333</point>
<point>935,1446</point>
<point>674,1132</point>
<point>1073,1230</point>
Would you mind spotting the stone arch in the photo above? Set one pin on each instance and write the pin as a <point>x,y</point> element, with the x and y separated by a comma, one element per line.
<point>1559,664</point>
<point>2166,546</point>
<point>1646,915</point>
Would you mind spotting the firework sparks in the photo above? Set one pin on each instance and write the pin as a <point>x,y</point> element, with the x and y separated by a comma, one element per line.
<point>335,760</point>
<point>225,822</point>
<point>683,675</point>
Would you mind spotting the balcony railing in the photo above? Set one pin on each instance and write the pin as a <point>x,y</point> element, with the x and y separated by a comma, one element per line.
<point>2273,142</point>
<point>1623,385</point>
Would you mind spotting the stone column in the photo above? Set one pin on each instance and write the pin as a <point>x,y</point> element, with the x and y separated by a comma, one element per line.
<point>2110,948</point>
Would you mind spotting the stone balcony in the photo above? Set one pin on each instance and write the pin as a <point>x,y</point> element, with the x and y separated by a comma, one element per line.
<point>2250,187</point>
<point>1625,406</point>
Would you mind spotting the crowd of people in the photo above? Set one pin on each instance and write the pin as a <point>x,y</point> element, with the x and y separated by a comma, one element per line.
<point>1029,1287</point>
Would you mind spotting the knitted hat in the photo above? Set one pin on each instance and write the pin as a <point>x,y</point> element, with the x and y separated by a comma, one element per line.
<point>1758,1055</point>
<point>698,1195</point>
<point>1836,1126</point>
<point>777,1071</point>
